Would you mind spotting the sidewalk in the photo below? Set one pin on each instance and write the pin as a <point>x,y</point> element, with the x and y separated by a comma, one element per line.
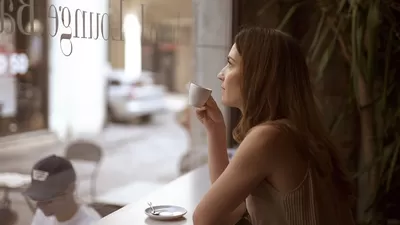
<point>131,153</point>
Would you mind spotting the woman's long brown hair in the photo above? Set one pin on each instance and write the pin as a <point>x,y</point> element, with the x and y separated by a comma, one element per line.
<point>276,89</point>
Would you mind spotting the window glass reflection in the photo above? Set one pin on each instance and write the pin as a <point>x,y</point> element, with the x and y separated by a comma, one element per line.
<point>110,73</point>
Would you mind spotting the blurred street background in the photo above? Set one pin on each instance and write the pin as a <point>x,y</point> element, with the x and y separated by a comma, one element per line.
<point>118,81</point>
<point>148,153</point>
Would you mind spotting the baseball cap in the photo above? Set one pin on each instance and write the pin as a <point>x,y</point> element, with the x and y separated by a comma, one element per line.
<point>50,177</point>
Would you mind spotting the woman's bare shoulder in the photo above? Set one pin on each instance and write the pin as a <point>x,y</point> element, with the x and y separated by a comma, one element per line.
<point>287,166</point>
<point>269,140</point>
<point>270,131</point>
<point>275,142</point>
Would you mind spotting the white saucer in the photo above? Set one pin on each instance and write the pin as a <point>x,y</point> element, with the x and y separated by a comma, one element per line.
<point>167,212</point>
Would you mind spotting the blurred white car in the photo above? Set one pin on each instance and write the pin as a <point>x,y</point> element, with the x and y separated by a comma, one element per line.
<point>134,97</point>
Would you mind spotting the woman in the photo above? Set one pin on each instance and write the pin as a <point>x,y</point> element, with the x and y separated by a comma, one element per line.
<point>286,170</point>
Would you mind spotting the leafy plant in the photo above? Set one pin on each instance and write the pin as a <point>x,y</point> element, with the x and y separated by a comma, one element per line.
<point>367,35</point>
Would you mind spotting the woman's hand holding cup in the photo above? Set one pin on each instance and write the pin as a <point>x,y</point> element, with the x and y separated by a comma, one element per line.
<point>207,110</point>
<point>211,116</point>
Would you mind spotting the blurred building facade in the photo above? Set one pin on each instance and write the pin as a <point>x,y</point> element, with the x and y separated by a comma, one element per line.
<point>167,40</point>
<point>24,68</point>
<point>182,41</point>
<point>61,87</point>
<point>67,58</point>
<point>77,84</point>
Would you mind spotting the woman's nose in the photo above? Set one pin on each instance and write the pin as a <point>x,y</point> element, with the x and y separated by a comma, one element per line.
<point>221,76</point>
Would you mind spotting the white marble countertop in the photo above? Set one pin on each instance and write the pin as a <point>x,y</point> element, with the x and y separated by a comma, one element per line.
<point>186,191</point>
<point>127,194</point>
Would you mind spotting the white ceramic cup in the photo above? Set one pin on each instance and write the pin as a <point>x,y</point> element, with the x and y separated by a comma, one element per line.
<point>198,95</point>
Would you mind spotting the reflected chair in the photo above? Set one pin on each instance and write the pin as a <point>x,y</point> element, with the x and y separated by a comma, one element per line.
<point>104,209</point>
<point>8,216</point>
<point>82,150</point>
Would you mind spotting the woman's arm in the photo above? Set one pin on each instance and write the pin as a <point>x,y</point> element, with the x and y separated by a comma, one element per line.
<point>217,162</point>
<point>217,152</point>
<point>253,162</point>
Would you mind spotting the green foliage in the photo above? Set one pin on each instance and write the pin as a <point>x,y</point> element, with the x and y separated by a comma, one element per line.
<point>367,35</point>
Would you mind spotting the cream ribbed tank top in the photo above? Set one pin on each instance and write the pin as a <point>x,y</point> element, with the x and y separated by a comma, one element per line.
<point>312,203</point>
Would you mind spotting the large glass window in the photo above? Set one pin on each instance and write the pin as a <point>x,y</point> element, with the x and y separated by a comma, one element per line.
<point>100,84</point>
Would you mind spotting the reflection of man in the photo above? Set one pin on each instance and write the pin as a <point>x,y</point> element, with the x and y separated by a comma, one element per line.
<point>53,187</point>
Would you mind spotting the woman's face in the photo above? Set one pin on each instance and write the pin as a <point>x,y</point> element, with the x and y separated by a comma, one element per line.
<point>230,76</point>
